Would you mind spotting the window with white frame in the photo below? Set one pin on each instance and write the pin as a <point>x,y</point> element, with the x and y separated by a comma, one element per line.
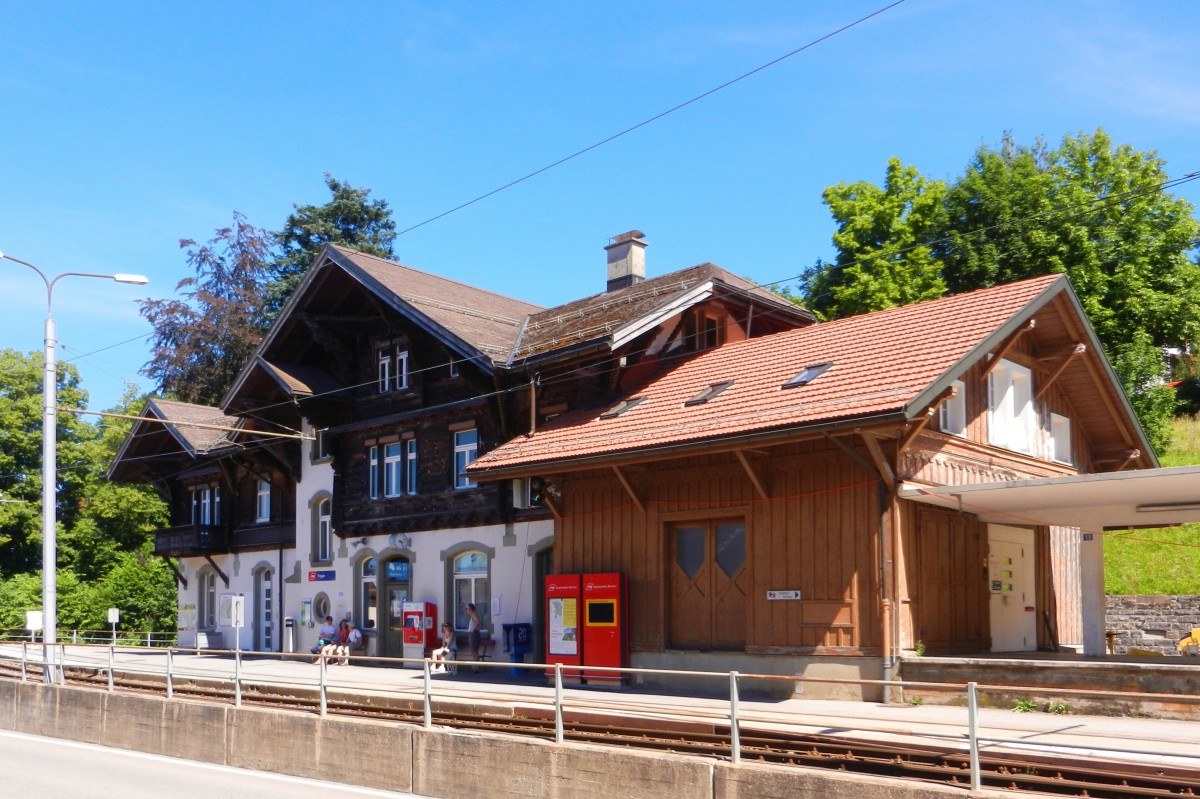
<point>1010,407</point>
<point>373,471</point>
<point>401,369</point>
<point>320,445</point>
<point>263,505</point>
<point>385,371</point>
<point>392,368</point>
<point>952,416</point>
<point>466,449</point>
<point>410,465</point>
<point>207,604</point>
<point>368,594</point>
<point>206,505</point>
<point>471,586</point>
<point>324,548</point>
<point>393,463</point>
<point>1060,438</point>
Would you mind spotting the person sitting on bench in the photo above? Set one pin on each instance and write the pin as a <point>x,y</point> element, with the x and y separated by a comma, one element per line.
<point>445,653</point>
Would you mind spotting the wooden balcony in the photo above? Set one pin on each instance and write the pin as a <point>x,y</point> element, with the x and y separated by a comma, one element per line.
<point>191,539</point>
<point>261,536</point>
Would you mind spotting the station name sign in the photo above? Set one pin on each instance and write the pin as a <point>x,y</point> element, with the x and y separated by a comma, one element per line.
<point>781,595</point>
<point>322,576</point>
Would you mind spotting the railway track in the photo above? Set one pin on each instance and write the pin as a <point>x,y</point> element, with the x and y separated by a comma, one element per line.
<point>1043,773</point>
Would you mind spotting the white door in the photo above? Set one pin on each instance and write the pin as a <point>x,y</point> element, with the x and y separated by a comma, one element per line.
<point>1010,581</point>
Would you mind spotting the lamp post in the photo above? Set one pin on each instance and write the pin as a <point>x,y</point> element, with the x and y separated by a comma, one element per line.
<point>50,458</point>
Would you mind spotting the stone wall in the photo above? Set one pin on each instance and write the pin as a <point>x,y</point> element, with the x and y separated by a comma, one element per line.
<point>1151,623</point>
<point>440,763</point>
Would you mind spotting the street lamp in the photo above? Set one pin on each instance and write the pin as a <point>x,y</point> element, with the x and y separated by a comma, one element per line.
<point>50,458</point>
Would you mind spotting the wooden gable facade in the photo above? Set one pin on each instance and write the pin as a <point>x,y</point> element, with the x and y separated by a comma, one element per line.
<point>761,529</point>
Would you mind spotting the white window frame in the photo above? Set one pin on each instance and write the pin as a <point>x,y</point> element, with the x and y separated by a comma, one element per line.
<point>206,505</point>
<point>952,415</point>
<point>465,453</point>
<point>472,578</point>
<point>1010,407</point>
<point>1060,439</point>
<point>207,601</point>
<point>401,369</point>
<point>410,466</point>
<point>373,471</point>
<point>324,553</point>
<point>384,375</point>
<point>393,470</point>
<point>320,446</point>
<point>262,503</point>
<point>368,606</point>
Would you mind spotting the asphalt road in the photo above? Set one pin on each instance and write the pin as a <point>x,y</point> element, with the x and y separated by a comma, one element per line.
<point>50,768</point>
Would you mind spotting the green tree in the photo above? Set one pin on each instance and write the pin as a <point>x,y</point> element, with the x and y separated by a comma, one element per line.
<point>350,218</point>
<point>1088,209</point>
<point>202,340</point>
<point>881,259</point>
<point>142,587</point>
<point>21,408</point>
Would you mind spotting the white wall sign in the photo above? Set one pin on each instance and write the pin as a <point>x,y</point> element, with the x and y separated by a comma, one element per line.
<point>33,620</point>
<point>780,595</point>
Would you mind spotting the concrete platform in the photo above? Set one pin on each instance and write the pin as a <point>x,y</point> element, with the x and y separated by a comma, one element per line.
<point>1174,742</point>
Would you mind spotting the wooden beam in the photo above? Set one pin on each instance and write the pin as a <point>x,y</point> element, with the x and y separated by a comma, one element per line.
<point>1077,350</point>
<point>758,486</point>
<point>549,503</point>
<point>881,464</point>
<point>217,569</point>
<point>1011,342</point>
<point>919,424</point>
<point>179,578</point>
<point>628,488</point>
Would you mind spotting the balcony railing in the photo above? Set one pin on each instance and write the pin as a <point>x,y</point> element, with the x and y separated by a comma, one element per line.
<point>191,539</point>
<point>265,535</point>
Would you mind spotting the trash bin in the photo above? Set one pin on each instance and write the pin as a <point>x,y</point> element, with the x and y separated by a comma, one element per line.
<point>518,642</point>
<point>289,634</point>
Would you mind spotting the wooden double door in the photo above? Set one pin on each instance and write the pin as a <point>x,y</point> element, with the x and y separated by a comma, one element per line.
<point>709,584</point>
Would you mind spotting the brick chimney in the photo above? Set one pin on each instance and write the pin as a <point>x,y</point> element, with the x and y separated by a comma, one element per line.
<point>626,260</point>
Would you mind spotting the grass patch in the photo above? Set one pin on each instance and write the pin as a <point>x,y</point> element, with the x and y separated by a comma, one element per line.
<point>1164,560</point>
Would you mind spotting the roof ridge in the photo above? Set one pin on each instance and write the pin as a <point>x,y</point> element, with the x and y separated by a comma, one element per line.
<point>351,252</point>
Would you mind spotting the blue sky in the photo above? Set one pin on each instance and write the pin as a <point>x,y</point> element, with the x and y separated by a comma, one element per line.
<point>125,127</point>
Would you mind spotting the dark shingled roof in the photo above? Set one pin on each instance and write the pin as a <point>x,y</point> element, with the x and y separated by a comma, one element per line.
<point>181,415</point>
<point>600,316</point>
<point>487,321</point>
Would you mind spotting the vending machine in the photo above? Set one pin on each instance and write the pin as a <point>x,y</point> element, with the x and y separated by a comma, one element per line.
<point>562,624</point>
<point>420,630</point>
<point>605,627</point>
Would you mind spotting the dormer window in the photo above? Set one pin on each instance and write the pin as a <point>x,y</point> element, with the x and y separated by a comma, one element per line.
<point>709,393</point>
<point>703,331</point>
<point>624,406</point>
<point>809,374</point>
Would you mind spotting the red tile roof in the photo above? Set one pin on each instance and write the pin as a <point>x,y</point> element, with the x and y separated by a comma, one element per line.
<point>881,362</point>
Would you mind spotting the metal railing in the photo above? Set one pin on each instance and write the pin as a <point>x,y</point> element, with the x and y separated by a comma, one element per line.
<point>141,662</point>
<point>150,638</point>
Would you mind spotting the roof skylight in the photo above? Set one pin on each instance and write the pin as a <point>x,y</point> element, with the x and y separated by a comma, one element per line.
<point>709,393</point>
<point>809,374</point>
<point>622,407</point>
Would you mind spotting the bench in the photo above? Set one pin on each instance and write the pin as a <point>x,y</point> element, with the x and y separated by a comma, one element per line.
<point>209,640</point>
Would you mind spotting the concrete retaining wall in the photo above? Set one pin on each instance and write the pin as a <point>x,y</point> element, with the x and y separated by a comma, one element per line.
<point>1152,623</point>
<point>437,763</point>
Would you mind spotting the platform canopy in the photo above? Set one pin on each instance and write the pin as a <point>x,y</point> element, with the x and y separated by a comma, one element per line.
<point>1109,500</point>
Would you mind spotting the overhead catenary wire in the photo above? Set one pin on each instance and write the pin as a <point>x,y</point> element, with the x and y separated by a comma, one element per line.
<point>656,117</point>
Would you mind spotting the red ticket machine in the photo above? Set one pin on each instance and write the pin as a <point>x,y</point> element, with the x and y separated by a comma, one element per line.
<point>605,626</point>
<point>420,630</point>
<point>562,623</point>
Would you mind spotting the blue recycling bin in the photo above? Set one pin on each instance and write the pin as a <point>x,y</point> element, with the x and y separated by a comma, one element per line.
<point>518,642</point>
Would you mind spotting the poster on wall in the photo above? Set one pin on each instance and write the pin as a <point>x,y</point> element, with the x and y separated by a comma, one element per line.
<point>564,624</point>
<point>187,616</point>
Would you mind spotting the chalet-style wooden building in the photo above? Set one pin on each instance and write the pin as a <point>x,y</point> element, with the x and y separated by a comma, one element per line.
<point>763,496</point>
<point>362,408</point>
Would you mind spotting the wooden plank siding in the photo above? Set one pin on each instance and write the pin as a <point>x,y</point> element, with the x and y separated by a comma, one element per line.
<point>816,533</point>
<point>944,582</point>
